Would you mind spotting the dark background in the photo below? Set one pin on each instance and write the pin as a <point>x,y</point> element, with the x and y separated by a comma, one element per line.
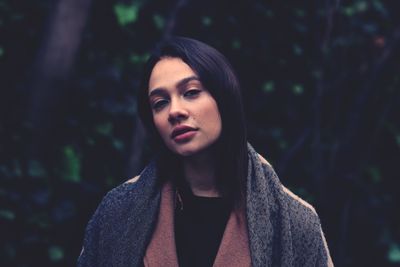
<point>321,87</point>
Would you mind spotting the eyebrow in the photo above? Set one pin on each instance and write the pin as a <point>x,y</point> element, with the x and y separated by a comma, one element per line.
<point>160,90</point>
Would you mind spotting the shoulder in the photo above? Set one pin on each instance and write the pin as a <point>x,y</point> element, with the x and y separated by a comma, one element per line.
<point>129,187</point>
<point>115,200</point>
<point>299,203</point>
<point>114,207</point>
<point>121,190</point>
<point>306,230</point>
<point>133,180</point>
<point>293,200</point>
<point>309,239</point>
<point>303,215</point>
<point>118,220</point>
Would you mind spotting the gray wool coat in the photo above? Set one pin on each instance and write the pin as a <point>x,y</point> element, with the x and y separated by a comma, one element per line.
<point>283,229</point>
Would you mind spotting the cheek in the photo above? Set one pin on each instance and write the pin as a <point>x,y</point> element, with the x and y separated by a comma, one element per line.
<point>213,118</point>
<point>159,124</point>
<point>218,126</point>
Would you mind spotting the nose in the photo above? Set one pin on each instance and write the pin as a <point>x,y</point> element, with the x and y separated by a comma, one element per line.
<point>177,111</point>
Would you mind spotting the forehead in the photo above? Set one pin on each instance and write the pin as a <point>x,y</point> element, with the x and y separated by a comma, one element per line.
<point>168,71</point>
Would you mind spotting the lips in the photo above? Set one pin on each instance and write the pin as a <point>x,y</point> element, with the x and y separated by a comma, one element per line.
<point>180,130</point>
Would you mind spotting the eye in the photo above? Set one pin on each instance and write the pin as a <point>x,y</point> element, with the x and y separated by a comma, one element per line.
<point>159,104</point>
<point>192,93</point>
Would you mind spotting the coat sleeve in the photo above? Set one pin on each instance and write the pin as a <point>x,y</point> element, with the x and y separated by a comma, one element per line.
<point>95,242</point>
<point>324,251</point>
<point>310,243</point>
<point>90,248</point>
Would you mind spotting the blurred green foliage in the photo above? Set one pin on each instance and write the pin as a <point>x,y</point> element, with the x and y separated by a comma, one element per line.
<point>71,165</point>
<point>321,89</point>
<point>56,253</point>
<point>126,14</point>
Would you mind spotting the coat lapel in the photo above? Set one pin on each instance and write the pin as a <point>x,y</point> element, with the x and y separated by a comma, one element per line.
<point>233,250</point>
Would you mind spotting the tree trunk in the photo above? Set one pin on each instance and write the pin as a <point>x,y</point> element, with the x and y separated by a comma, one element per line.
<point>52,66</point>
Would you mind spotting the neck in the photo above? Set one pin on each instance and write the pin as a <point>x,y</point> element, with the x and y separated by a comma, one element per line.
<point>199,172</point>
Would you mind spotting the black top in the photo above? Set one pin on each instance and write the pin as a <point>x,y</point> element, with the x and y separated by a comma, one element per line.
<point>199,225</point>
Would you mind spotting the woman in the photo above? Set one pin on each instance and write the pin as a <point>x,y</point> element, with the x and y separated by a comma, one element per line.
<point>208,199</point>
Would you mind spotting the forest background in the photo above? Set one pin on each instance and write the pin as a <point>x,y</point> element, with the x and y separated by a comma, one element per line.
<point>321,88</point>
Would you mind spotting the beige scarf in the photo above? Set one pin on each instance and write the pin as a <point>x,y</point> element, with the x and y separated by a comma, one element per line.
<point>161,251</point>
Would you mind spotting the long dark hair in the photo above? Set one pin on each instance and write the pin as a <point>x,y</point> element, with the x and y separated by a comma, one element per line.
<point>218,77</point>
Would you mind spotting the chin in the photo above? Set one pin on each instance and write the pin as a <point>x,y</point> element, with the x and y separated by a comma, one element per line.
<point>185,152</point>
<point>188,150</point>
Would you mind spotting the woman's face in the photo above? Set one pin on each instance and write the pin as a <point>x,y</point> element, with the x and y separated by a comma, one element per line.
<point>184,112</point>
